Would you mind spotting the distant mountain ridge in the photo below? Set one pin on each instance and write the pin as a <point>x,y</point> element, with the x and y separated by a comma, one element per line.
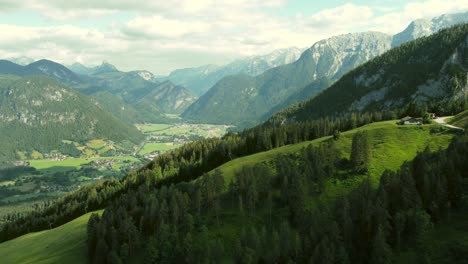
<point>87,70</point>
<point>137,92</point>
<point>37,112</point>
<point>41,67</point>
<point>324,62</point>
<point>200,79</point>
<point>124,89</point>
<point>425,27</point>
<point>428,73</point>
<point>257,98</point>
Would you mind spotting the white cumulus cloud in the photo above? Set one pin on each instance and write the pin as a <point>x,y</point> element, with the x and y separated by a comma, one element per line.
<point>164,35</point>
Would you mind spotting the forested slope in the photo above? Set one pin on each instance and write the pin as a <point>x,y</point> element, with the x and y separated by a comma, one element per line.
<point>37,113</point>
<point>304,205</point>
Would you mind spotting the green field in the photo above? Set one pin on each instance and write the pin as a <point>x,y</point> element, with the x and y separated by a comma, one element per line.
<point>204,130</point>
<point>460,120</point>
<point>151,147</point>
<point>64,244</point>
<point>73,163</point>
<point>145,128</point>
<point>164,137</point>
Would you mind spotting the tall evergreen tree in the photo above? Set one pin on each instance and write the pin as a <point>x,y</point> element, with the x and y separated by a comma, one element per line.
<point>381,252</point>
<point>360,152</point>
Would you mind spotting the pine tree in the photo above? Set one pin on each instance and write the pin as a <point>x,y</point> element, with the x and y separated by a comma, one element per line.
<point>113,258</point>
<point>100,255</point>
<point>93,223</point>
<point>360,153</point>
<point>188,249</point>
<point>381,252</point>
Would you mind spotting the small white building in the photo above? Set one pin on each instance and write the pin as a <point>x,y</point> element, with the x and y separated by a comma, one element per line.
<point>408,120</point>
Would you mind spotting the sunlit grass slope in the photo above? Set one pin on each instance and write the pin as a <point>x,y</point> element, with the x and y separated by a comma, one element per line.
<point>64,244</point>
<point>391,145</point>
<point>460,120</point>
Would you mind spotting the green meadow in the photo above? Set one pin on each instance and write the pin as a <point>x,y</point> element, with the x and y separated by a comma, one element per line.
<point>73,163</point>
<point>64,244</point>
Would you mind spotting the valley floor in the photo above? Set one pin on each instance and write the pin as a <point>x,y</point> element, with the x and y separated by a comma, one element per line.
<point>55,174</point>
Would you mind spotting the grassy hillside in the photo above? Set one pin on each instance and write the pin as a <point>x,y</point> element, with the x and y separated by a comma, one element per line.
<point>460,120</point>
<point>391,145</point>
<point>64,244</point>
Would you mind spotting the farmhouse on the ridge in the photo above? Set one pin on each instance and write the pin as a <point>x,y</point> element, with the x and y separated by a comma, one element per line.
<point>408,120</point>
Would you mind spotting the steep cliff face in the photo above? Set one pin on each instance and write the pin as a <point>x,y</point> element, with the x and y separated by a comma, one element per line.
<point>335,56</point>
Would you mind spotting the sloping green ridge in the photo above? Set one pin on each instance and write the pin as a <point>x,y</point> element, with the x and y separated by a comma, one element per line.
<point>391,145</point>
<point>64,244</point>
<point>460,120</point>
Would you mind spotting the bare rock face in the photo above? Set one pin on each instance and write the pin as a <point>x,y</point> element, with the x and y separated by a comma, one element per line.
<point>334,57</point>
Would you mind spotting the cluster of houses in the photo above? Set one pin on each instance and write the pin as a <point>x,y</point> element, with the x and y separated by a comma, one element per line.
<point>152,155</point>
<point>55,156</point>
<point>103,164</point>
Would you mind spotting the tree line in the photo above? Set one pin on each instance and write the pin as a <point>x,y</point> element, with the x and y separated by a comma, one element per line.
<point>264,214</point>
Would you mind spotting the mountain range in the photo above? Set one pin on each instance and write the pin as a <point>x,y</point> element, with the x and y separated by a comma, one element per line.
<point>200,79</point>
<point>136,96</point>
<point>325,62</point>
<point>41,67</point>
<point>261,85</point>
<point>428,73</point>
<point>138,91</point>
<point>424,27</point>
<point>37,113</point>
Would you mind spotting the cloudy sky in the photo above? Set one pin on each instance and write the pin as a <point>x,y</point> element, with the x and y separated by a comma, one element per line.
<point>163,35</point>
